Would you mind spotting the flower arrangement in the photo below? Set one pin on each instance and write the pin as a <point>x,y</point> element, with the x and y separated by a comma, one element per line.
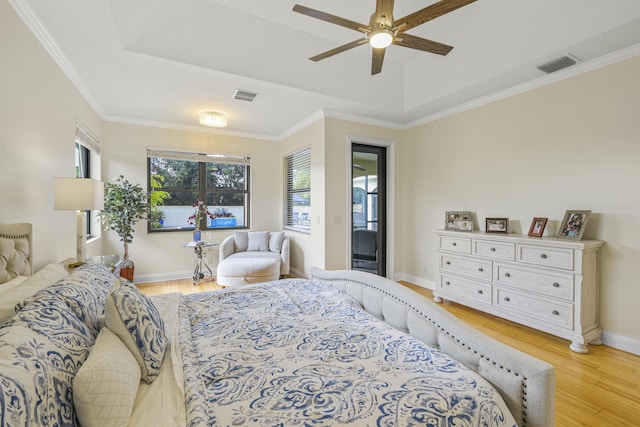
<point>201,211</point>
<point>222,213</point>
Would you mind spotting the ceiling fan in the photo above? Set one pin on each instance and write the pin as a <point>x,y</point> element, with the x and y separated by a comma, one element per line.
<point>383,31</point>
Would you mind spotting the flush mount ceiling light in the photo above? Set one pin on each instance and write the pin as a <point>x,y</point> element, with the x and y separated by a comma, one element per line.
<point>381,38</point>
<point>214,119</point>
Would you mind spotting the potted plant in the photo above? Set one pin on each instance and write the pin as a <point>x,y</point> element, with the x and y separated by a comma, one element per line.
<point>223,217</point>
<point>124,205</point>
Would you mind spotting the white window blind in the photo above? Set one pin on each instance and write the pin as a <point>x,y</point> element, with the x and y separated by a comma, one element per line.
<point>297,190</point>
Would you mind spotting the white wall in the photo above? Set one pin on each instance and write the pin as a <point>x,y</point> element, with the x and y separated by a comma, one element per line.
<point>38,110</point>
<point>161,255</point>
<point>570,145</point>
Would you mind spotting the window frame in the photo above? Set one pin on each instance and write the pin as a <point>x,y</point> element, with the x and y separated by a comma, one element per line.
<point>202,160</point>
<point>87,162</point>
<point>299,160</point>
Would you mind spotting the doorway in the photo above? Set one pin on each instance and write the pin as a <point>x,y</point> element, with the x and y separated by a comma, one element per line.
<point>368,212</point>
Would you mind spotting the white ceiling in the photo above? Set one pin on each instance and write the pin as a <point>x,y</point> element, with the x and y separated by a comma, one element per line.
<point>159,62</point>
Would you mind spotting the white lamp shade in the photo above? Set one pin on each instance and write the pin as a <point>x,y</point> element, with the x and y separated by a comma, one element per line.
<point>83,194</point>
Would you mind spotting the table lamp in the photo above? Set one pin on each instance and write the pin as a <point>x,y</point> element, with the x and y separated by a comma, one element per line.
<point>78,194</point>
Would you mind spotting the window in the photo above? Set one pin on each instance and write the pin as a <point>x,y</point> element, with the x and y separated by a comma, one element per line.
<point>87,154</point>
<point>178,179</point>
<point>297,190</point>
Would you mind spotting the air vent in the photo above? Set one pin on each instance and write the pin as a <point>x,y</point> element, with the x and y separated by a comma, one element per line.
<point>558,64</point>
<point>244,95</point>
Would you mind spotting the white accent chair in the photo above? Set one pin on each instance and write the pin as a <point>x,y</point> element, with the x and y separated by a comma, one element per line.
<point>252,257</point>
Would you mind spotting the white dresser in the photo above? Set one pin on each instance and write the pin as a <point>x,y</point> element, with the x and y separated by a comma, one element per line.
<point>546,283</point>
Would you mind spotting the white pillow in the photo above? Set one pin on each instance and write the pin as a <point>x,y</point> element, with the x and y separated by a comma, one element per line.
<point>106,385</point>
<point>47,276</point>
<point>258,241</point>
<point>241,240</point>
<point>135,319</point>
<point>275,241</point>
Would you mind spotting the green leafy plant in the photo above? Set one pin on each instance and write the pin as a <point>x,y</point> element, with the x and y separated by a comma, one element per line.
<point>157,198</point>
<point>124,205</point>
<point>222,213</point>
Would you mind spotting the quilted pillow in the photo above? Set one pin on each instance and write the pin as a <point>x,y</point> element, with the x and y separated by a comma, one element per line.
<point>106,385</point>
<point>135,319</point>
<point>258,241</point>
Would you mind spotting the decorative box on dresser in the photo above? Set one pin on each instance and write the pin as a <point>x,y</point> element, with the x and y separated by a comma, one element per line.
<point>545,283</point>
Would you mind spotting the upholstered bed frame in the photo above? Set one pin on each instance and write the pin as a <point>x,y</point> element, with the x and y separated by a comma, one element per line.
<point>16,256</point>
<point>526,384</point>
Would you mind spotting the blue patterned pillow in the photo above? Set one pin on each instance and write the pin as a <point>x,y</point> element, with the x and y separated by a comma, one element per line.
<point>134,318</point>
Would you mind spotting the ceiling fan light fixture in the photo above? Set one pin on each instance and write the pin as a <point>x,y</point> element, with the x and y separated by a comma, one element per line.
<point>381,38</point>
<point>214,119</point>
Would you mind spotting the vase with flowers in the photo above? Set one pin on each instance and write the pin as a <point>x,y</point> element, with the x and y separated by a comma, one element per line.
<point>199,217</point>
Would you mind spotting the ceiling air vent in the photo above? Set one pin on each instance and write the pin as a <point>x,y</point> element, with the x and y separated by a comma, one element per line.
<point>558,64</point>
<point>244,95</point>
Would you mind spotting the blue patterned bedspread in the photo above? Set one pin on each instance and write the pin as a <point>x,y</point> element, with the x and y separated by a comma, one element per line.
<point>299,353</point>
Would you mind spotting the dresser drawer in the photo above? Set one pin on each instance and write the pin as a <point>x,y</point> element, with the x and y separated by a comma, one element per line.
<point>545,256</point>
<point>455,244</point>
<point>472,267</point>
<point>495,250</point>
<point>555,285</point>
<point>555,313</point>
<point>466,288</point>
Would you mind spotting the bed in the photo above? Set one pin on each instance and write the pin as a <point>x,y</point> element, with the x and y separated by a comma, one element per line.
<point>341,348</point>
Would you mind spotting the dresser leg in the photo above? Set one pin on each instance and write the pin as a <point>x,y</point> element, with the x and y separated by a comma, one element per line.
<point>579,347</point>
<point>437,298</point>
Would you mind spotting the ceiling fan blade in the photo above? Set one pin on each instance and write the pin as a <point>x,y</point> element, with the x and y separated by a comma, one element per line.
<point>430,12</point>
<point>343,22</point>
<point>377,59</point>
<point>413,42</point>
<point>339,49</point>
<point>384,12</point>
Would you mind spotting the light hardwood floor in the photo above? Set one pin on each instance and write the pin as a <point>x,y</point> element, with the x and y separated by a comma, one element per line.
<point>601,388</point>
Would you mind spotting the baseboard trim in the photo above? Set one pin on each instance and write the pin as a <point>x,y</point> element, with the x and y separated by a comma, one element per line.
<point>621,343</point>
<point>188,274</point>
<point>423,283</point>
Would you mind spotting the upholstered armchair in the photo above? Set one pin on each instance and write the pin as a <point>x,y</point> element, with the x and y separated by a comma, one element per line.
<point>252,256</point>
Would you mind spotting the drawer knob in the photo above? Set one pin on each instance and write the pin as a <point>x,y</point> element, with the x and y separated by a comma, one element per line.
<point>555,312</point>
<point>447,283</point>
<point>480,269</point>
<point>454,244</point>
<point>507,275</point>
<point>543,256</point>
<point>507,299</point>
<point>492,249</point>
<point>448,262</point>
<point>556,284</point>
<point>480,291</point>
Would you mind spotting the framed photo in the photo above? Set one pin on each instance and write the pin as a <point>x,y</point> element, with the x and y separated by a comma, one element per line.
<point>573,225</point>
<point>458,221</point>
<point>537,227</point>
<point>497,225</point>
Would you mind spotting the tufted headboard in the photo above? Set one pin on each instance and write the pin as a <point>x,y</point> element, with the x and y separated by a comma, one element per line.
<point>16,257</point>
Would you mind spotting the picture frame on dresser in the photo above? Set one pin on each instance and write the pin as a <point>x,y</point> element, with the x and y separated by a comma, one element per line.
<point>458,221</point>
<point>497,225</point>
<point>537,226</point>
<point>573,224</point>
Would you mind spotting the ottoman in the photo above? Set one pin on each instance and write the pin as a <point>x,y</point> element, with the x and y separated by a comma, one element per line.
<point>235,271</point>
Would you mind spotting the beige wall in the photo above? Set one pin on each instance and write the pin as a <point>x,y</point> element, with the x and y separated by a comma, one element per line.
<point>570,145</point>
<point>38,110</point>
<point>161,255</point>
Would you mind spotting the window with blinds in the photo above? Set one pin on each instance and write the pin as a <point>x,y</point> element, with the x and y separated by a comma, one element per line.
<point>297,190</point>
<point>177,180</point>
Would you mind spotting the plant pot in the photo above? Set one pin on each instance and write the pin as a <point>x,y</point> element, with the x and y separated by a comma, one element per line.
<point>223,222</point>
